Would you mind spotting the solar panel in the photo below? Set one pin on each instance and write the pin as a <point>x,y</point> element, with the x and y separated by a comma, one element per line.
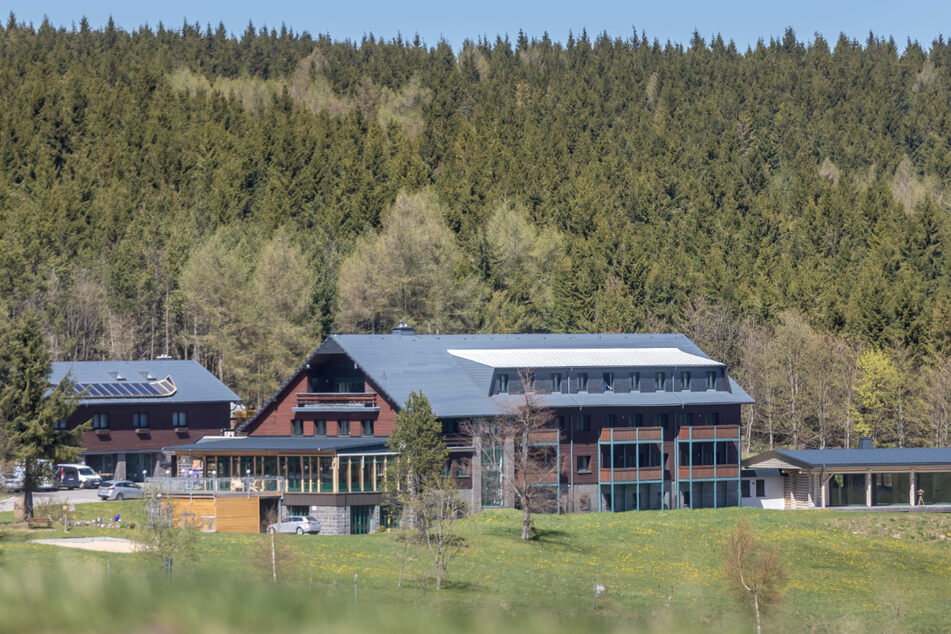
<point>165,387</point>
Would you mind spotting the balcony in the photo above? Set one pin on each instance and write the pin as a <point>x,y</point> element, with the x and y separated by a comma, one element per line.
<point>544,437</point>
<point>631,474</point>
<point>631,434</point>
<point>709,432</point>
<point>336,402</point>
<point>251,486</point>
<point>708,472</point>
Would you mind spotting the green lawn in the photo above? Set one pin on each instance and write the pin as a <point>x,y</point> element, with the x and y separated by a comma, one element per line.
<point>848,571</point>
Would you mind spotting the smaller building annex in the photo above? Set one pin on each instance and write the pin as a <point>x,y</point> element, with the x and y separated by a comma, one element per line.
<point>869,477</point>
<point>139,407</point>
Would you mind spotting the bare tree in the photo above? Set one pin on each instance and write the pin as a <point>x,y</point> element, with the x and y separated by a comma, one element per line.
<point>937,398</point>
<point>443,507</point>
<point>521,432</point>
<point>751,574</point>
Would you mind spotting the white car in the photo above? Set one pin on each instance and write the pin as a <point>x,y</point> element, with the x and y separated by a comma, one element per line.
<point>299,524</point>
<point>88,478</point>
<point>120,490</point>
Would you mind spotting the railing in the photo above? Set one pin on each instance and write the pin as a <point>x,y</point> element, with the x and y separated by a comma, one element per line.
<point>253,485</point>
<point>336,399</point>
<point>631,434</point>
<point>709,432</point>
<point>544,437</point>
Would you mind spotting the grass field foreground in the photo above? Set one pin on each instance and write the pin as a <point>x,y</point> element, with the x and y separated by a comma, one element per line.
<point>848,572</point>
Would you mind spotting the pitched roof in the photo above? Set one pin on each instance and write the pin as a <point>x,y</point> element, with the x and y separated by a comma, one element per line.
<point>372,444</point>
<point>192,382</point>
<point>881,457</point>
<point>442,367</point>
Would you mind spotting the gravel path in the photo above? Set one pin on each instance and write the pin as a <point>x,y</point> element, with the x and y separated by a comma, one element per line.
<point>102,544</point>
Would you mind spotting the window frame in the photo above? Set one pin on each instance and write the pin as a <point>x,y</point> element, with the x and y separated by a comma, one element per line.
<point>586,468</point>
<point>660,381</point>
<point>100,421</point>
<point>607,379</point>
<point>179,420</point>
<point>685,381</point>
<point>556,383</point>
<point>320,427</point>
<point>343,427</point>
<point>502,383</point>
<point>711,380</point>
<point>297,427</point>
<point>760,488</point>
<point>745,489</point>
<point>365,425</point>
<point>61,424</point>
<point>583,382</point>
<point>635,381</point>
<point>140,420</point>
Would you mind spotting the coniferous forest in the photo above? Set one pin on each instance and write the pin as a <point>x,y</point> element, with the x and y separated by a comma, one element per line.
<point>234,199</point>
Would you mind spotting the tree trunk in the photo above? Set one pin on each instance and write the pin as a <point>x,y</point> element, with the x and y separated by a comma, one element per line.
<point>273,559</point>
<point>756,607</point>
<point>526,521</point>
<point>28,483</point>
<point>439,573</point>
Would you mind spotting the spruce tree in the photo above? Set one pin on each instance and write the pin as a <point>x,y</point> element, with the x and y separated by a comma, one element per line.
<point>30,408</point>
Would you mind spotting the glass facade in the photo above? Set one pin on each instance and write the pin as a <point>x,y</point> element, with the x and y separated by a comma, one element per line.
<point>847,489</point>
<point>890,488</point>
<point>935,487</point>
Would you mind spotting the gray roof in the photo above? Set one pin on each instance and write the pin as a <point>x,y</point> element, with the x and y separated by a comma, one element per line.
<point>882,457</point>
<point>194,383</point>
<point>398,364</point>
<point>373,444</point>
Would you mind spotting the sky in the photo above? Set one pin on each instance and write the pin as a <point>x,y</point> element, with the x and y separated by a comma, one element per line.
<point>743,21</point>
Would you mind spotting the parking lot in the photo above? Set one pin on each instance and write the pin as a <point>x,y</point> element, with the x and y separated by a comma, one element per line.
<point>76,496</point>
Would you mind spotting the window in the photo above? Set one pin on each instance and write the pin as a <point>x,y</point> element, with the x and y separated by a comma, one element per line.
<point>583,382</point>
<point>559,422</point>
<point>584,464</point>
<point>100,421</point>
<point>685,381</point>
<point>61,424</point>
<point>344,427</point>
<point>745,489</point>
<point>660,381</point>
<point>450,426</point>
<point>556,382</point>
<point>366,428</point>
<point>660,420</point>
<point>637,420</point>
<point>320,428</point>
<point>761,488</point>
<point>297,427</point>
<point>502,384</point>
<point>140,420</point>
<point>179,420</point>
<point>713,418</point>
<point>635,381</point>
<point>610,420</point>
<point>711,380</point>
<point>583,423</point>
<point>351,384</point>
<point>686,419</point>
<point>608,381</point>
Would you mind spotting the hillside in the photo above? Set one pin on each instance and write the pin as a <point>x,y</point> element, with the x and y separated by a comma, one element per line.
<point>233,199</point>
<point>847,571</point>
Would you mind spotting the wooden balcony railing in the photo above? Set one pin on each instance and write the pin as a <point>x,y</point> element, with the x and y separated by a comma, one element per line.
<point>335,399</point>
<point>709,432</point>
<point>632,434</point>
<point>544,437</point>
<point>708,472</point>
<point>631,474</point>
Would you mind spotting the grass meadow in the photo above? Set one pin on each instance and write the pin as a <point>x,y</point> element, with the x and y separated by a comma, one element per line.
<point>848,572</point>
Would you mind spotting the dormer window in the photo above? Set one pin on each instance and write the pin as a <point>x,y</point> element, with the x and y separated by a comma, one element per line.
<point>685,381</point>
<point>608,381</point>
<point>502,384</point>
<point>635,381</point>
<point>582,382</point>
<point>556,382</point>
<point>711,380</point>
<point>660,381</point>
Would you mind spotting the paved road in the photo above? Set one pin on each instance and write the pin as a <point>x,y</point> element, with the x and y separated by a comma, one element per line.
<point>77,496</point>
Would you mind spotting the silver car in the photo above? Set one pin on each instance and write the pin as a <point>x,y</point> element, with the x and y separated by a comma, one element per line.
<point>119,490</point>
<point>299,524</point>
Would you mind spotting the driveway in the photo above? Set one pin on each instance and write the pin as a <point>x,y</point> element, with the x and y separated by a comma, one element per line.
<point>76,496</point>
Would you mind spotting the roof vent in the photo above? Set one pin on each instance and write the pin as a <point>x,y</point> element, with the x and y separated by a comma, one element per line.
<point>403,329</point>
<point>866,442</point>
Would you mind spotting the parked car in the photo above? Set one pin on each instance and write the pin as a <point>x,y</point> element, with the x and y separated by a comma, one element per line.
<point>119,490</point>
<point>299,524</point>
<point>67,477</point>
<point>88,478</point>
<point>13,481</point>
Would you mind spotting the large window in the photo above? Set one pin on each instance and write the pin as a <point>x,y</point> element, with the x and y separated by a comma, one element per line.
<point>140,420</point>
<point>847,489</point>
<point>935,487</point>
<point>100,421</point>
<point>890,488</point>
<point>179,419</point>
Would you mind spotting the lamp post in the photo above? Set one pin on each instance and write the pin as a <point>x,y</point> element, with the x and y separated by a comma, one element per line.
<point>247,485</point>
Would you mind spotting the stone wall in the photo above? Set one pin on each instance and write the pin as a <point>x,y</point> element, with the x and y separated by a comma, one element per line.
<point>335,520</point>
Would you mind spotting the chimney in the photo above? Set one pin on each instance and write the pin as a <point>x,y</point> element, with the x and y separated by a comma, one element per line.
<point>403,329</point>
<point>865,442</point>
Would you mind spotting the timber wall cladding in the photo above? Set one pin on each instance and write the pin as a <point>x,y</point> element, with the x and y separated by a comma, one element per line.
<point>231,515</point>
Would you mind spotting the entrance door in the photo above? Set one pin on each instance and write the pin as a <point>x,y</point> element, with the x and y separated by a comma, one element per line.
<point>360,517</point>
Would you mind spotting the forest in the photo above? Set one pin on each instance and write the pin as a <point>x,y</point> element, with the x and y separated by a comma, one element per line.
<point>233,199</point>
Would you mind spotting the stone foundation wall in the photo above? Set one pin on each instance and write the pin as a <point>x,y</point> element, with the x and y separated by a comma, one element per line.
<point>334,520</point>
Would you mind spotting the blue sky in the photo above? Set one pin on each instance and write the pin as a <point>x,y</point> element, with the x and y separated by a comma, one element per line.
<point>743,21</point>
